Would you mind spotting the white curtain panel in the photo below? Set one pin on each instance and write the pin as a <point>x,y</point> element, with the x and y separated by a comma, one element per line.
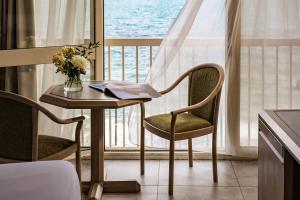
<point>270,61</point>
<point>58,23</point>
<point>268,35</point>
<point>196,37</point>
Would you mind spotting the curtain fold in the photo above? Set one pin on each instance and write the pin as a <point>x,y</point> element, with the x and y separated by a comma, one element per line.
<point>232,80</point>
<point>17,31</point>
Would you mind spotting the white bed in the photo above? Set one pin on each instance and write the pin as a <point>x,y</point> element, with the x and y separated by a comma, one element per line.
<point>45,180</point>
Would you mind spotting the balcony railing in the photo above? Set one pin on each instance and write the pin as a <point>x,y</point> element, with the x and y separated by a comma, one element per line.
<point>130,60</point>
<point>270,79</point>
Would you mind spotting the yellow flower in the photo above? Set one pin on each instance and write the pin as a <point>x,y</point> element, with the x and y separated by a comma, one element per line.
<point>68,51</point>
<point>79,62</point>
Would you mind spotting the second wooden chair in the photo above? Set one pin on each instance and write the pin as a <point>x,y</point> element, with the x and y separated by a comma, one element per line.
<point>198,119</point>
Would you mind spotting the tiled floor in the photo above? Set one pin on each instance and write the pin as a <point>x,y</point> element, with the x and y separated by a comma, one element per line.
<point>237,180</point>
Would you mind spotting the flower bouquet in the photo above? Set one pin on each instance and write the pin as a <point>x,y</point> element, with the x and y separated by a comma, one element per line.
<point>72,62</point>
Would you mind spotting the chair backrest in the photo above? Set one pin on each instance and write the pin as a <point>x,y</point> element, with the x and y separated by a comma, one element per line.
<point>202,82</point>
<point>18,128</point>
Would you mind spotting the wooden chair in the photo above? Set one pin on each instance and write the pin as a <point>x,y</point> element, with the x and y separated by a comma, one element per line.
<point>198,119</point>
<point>19,139</point>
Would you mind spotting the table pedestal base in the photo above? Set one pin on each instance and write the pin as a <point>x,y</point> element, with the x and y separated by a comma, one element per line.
<point>95,190</point>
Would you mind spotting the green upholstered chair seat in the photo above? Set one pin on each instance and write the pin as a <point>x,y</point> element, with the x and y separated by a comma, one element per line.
<point>185,122</point>
<point>49,145</point>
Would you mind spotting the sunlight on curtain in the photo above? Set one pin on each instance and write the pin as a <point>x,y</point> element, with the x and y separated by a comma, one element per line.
<point>270,61</point>
<point>196,37</point>
<point>261,58</point>
<point>58,22</point>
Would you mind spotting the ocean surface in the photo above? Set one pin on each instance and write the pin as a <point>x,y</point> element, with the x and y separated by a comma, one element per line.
<point>136,19</point>
<point>140,18</point>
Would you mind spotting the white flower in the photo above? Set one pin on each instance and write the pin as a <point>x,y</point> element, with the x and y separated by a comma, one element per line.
<point>79,62</point>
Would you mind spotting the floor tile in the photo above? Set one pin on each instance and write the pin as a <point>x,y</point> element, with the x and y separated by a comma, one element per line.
<point>190,183</point>
<point>199,175</point>
<point>200,193</point>
<point>147,193</point>
<point>130,169</point>
<point>246,172</point>
<point>249,193</point>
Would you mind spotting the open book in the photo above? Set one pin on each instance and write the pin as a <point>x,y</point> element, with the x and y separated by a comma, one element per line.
<point>124,90</point>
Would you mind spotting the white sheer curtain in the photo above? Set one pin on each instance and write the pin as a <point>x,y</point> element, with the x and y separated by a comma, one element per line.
<point>270,61</point>
<point>259,43</point>
<point>196,37</point>
<point>58,22</point>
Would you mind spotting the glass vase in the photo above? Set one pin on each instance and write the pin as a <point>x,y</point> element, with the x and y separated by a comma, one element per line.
<point>73,84</point>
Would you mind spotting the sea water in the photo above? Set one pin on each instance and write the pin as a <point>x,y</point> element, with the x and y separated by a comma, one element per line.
<point>136,19</point>
<point>140,18</point>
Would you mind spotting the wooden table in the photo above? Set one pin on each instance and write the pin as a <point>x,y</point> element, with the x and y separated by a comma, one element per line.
<point>96,101</point>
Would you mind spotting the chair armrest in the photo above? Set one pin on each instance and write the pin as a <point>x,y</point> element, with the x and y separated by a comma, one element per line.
<point>73,120</point>
<point>58,120</point>
<point>79,121</point>
<point>169,89</point>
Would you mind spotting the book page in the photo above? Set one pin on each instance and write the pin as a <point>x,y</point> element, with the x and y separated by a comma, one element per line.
<point>123,90</point>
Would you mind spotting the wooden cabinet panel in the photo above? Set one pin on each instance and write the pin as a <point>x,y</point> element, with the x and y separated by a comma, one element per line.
<point>270,170</point>
<point>279,155</point>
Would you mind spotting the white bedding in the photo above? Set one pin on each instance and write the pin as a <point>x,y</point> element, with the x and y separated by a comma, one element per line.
<point>46,180</point>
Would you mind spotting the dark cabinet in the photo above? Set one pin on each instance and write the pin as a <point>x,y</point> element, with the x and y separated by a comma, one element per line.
<point>270,171</point>
<point>279,155</point>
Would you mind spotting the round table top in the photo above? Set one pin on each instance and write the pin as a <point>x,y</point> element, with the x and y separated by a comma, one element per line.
<point>88,98</point>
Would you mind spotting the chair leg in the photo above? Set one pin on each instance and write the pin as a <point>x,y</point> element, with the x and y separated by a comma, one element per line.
<point>190,152</point>
<point>214,156</point>
<point>171,167</point>
<point>78,167</point>
<point>142,151</point>
<point>78,163</point>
